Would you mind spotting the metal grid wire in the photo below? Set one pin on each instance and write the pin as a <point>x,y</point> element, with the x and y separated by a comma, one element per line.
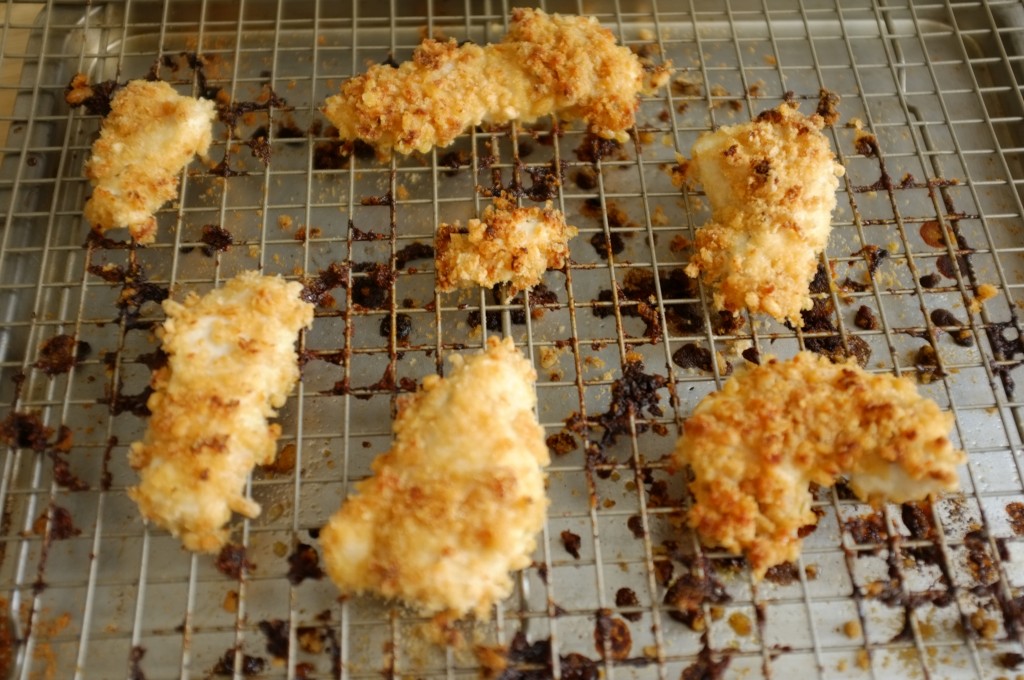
<point>914,591</point>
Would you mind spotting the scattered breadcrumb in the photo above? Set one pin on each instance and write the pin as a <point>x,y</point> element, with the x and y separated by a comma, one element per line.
<point>546,64</point>
<point>231,364</point>
<point>755,446</point>
<point>985,292</point>
<point>771,184</point>
<point>458,500</point>
<point>150,134</point>
<point>510,244</point>
<point>852,629</point>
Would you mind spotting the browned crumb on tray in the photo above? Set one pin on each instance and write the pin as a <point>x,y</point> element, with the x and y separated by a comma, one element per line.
<point>457,502</point>
<point>510,244</point>
<point>231,364</point>
<point>755,447</point>
<point>546,64</point>
<point>150,134</point>
<point>771,184</point>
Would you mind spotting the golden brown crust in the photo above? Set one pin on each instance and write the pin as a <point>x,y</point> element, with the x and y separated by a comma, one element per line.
<point>231,363</point>
<point>458,500</point>
<point>755,446</point>
<point>546,64</point>
<point>150,134</point>
<point>510,244</point>
<point>771,184</point>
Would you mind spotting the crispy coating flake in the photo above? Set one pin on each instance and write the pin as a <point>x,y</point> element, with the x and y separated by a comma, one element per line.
<point>231,364</point>
<point>150,134</point>
<point>510,244</point>
<point>771,184</point>
<point>546,64</point>
<point>458,500</point>
<point>755,447</point>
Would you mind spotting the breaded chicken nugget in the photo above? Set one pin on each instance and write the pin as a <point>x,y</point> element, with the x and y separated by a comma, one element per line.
<point>455,505</point>
<point>772,187</point>
<point>546,64</point>
<point>755,447</point>
<point>231,364</point>
<point>150,134</point>
<point>510,244</point>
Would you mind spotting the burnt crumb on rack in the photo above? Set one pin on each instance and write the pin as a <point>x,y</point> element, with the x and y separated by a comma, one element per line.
<point>1011,661</point>
<point>691,355</point>
<point>545,181</point>
<point>752,354</point>
<point>251,665</point>
<point>586,178</point>
<point>106,477</point>
<point>867,530</point>
<point>916,517</point>
<point>865,319</point>
<point>537,296</point>
<point>412,252</point>
<point>594,149</point>
<point>571,542</point>
<point>223,169</point>
<point>62,474</point>
<point>605,243</point>
<point>532,661</point>
<point>866,145</point>
<point>259,145</point>
<point>944,263</point>
<point>135,663</point>
<point>25,430</point>
<point>94,98</point>
<point>926,363</point>
<point>957,330</point>
<point>1015,511</point>
<point>216,239</point>
<point>637,287</point>
<point>94,239</point>
<point>119,402</point>
<point>304,563</point>
<point>62,526</point>
<point>317,288</point>
<point>626,598</point>
<point>386,385</point>
<point>276,631</point>
<point>635,524</point>
<point>453,160</point>
<point>783,574</point>
<point>332,154</point>
<point>368,235</point>
<point>705,667</point>
<point>930,281</point>
<point>615,633</point>
<point>979,560</point>
<point>932,234</point>
<point>60,353</point>
<point>387,199</point>
<point>287,129</point>
<point>403,327</point>
<point>819,320</point>
<point>232,562</point>
<point>561,443</point>
<point>230,113</point>
<point>633,394</point>
<point>136,290</point>
<point>687,595</point>
<point>828,107</point>
<point>372,291</point>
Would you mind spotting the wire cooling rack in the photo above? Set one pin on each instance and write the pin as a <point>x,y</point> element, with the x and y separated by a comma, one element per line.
<point>624,346</point>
